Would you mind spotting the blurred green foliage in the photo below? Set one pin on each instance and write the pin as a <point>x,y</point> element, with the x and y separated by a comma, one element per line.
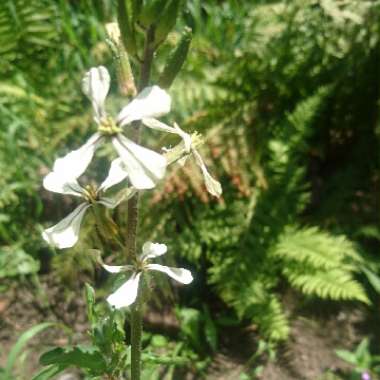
<point>286,93</point>
<point>362,360</point>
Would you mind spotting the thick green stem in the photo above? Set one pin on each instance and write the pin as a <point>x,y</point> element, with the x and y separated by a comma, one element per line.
<point>132,224</point>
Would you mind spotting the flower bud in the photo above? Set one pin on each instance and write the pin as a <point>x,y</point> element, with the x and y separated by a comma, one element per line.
<point>125,19</point>
<point>124,71</point>
<point>176,60</point>
<point>136,8</point>
<point>151,12</point>
<point>167,20</point>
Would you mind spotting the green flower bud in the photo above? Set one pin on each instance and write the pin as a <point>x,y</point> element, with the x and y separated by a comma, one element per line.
<point>124,71</point>
<point>167,20</point>
<point>176,60</point>
<point>136,8</point>
<point>125,19</point>
<point>151,12</point>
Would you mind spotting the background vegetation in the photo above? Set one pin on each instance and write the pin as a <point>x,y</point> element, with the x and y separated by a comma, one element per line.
<point>287,93</point>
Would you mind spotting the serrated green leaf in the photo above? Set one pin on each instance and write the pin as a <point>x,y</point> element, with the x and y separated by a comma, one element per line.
<point>80,356</point>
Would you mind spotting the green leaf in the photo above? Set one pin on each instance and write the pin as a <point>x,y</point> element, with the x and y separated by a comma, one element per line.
<point>159,341</point>
<point>90,300</point>
<point>347,356</point>
<point>372,278</point>
<point>20,344</point>
<point>48,372</point>
<point>80,356</point>
<point>190,326</point>
<point>362,349</point>
<point>15,262</point>
<point>320,264</point>
<point>211,331</point>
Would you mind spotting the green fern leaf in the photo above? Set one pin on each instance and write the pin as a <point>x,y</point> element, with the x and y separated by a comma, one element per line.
<point>333,284</point>
<point>315,248</point>
<point>319,264</point>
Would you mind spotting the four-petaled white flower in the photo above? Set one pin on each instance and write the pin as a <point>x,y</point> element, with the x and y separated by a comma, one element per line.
<point>126,294</point>
<point>143,166</point>
<point>66,233</point>
<point>212,185</point>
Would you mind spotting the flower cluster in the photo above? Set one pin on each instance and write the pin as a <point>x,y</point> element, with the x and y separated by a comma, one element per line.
<point>142,167</point>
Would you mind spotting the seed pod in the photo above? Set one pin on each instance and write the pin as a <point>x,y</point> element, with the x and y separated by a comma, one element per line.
<point>176,60</point>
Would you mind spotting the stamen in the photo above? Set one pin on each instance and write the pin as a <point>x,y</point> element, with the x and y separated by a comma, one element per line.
<point>91,194</point>
<point>108,127</point>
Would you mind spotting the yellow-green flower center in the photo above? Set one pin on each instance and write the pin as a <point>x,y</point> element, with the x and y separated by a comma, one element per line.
<point>108,127</point>
<point>90,194</point>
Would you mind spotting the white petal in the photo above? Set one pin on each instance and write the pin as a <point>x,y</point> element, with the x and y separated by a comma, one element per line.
<point>126,294</point>
<point>121,196</point>
<point>144,166</point>
<point>158,125</point>
<point>151,250</point>
<point>212,185</point>
<point>95,85</point>
<point>179,274</point>
<point>117,268</point>
<point>108,202</point>
<point>66,233</point>
<point>76,162</point>
<point>59,184</point>
<point>150,102</point>
<point>185,137</point>
<point>116,174</point>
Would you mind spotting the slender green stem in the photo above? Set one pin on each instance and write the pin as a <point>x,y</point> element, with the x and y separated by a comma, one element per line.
<point>132,224</point>
<point>136,333</point>
<point>133,211</point>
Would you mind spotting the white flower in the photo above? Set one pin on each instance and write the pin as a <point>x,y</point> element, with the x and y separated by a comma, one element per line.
<point>66,233</point>
<point>158,125</point>
<point>212,185</point>
<point>143,166</point>
<point>126,294</point>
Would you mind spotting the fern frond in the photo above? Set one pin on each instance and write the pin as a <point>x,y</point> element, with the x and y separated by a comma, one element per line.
<point>303,115</point>
<point>26,27</point>
<point>259,303</point>
<point>320,264</point>
<point>334,284</point>
<point>315,248</point>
